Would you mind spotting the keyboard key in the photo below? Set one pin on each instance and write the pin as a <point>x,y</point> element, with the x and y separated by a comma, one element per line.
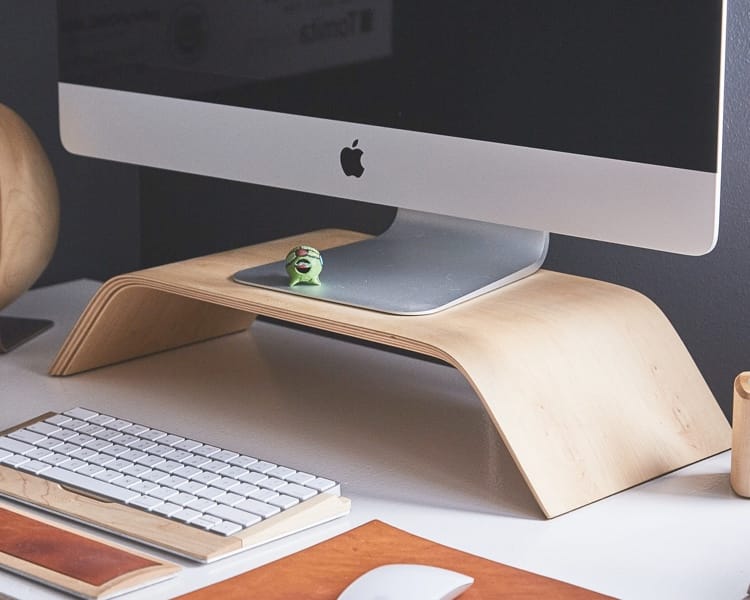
<point>136,470</point>
<point>153,434</point>
<point>144,487</point>
<point>14,460</point>
<point>43,428</point>
<point>146,502</point>
<point>118,424</point>
<point>57,419</point>
<point>226,528</point>
<point>127,481</point>
<point>83,453</point>
<point>244,489</point>
<point>55,459</point>
<point>154,475</point>
<point>191,487</point>
<point>72,464</point>
<point>63,434</point>
<point>206,450</point>
<point>81,439</point>
<point>49,443</point>
<point>101,459</point>
<point>225,483</point>
<point>116,450</point>
<point>91,429</point>
<point>320,484</point>
<point>163,493</point>
<point>187,445</point>
<point>243,461</point>
<point>230,499</point>
<point>300,478</point>
<point>150,461</point>
<point>281,472</point>
<point>263,495</point>
<point>252,478</point>
<point>262,466</point>
<point>202,504</point>
<point>106,475</point>
<point>177,455</point>
<point>234,515</point>
<point>101,419</point>
<point>272,483</point>
<point>206,522</point>
<point>99,445</point>
<point>258,508</point>
<point>102,488</point>
<point>210,493</point>
<point>5,454</point>
<point>37,453</point>
<point>90,470</point>
<point>15,446</point>
<point>283,501</point>
<point>183,499</point>
<point>171,440</point>
<point>297,491</point>
<point>160,450</point>
<point>206,477</point>
<point>196,460</point>
<point>24,435</point>
<point>215,466</point>
<point>80,413</point>
<point>34,466</point>
<point>187,472</point>
<point>74,424</point>
<point>186,515</point>
<point>224,455</point>
<point>136,430</point>
<point>167,509</point>
<point>107,434</point>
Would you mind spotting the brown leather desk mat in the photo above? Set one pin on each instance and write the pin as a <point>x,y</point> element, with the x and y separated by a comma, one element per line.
<point>323,571</point>
<point>72,561</point>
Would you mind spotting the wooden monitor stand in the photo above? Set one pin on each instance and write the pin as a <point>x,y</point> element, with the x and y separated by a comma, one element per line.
<point>587,383</point>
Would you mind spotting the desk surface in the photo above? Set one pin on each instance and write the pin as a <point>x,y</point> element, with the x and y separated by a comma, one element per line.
<point>357,414</point>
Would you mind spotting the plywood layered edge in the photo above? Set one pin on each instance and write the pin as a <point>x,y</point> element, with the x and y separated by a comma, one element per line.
<point>588,384</point>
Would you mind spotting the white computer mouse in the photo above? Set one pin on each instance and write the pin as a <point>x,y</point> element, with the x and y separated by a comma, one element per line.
<point>407,582</point>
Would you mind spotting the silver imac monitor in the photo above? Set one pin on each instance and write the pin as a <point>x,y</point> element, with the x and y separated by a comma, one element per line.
<point>488,123</point>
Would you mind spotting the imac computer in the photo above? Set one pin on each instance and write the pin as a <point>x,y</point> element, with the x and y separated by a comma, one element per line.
<point>488,123</point>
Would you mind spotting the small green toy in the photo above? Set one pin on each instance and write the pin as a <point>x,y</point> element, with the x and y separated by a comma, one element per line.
<point>304,264</point>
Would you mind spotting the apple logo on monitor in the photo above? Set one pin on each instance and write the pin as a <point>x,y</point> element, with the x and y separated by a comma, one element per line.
<point>351,160</point>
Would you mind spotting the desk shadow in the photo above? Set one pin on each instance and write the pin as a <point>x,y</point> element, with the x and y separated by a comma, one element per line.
<point>386,425</point>
<point>702,485</point>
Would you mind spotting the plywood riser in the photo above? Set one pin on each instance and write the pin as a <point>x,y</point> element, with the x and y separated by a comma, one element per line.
<point>587,383</point>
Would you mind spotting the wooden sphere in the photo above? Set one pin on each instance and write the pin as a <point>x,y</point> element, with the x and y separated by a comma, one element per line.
<point>29,207</point>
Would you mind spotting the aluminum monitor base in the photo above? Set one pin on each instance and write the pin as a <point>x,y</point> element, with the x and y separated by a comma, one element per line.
<point>422,264</point>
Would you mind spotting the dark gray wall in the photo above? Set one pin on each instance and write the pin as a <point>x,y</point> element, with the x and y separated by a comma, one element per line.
<point>99,219</point>
<point>185,216</point>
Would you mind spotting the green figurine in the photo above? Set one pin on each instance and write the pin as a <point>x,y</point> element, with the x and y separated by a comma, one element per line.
<point>304,264</point>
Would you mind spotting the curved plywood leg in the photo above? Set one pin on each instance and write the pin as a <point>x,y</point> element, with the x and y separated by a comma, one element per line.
<point>128,320</point>
<point>587,383</point>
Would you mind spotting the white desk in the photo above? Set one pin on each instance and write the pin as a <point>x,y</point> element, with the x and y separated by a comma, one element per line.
<point>356,414</point>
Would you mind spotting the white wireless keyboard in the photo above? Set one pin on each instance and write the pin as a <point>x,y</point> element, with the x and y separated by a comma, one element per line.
<point>179,494</point>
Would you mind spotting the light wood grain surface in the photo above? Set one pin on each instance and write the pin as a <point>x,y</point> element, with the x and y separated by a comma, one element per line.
<point>588,384</point>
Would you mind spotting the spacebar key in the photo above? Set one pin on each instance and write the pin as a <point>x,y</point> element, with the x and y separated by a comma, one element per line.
<point>89,484</point>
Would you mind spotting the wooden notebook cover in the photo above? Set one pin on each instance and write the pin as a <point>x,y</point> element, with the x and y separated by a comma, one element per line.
<point>323,571</point>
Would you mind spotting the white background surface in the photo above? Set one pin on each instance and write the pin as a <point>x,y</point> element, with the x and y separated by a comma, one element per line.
<point>411,445</point>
